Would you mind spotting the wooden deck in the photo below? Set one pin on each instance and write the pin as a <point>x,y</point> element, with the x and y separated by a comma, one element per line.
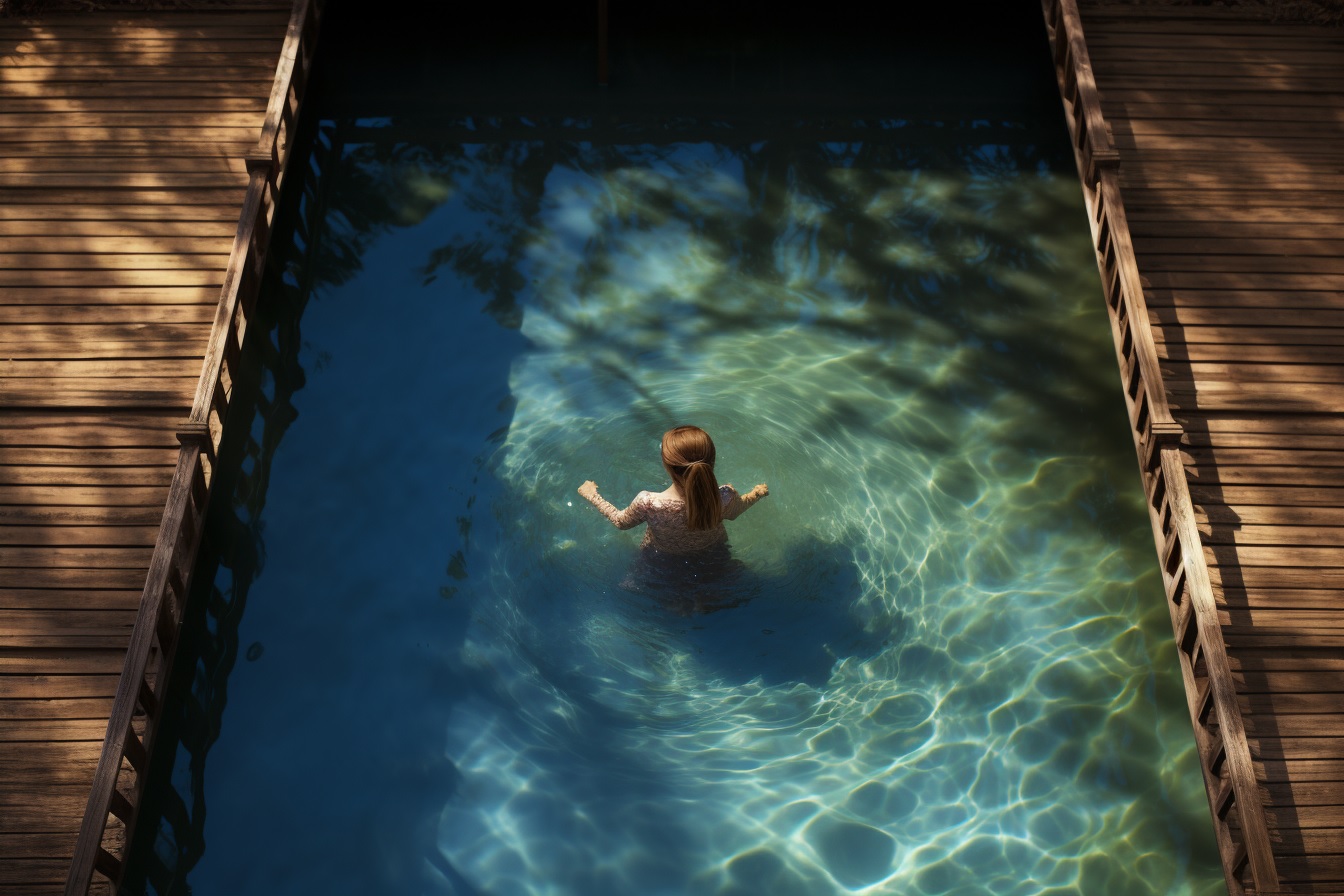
<point>122,176</point>
<point>1227,135</point>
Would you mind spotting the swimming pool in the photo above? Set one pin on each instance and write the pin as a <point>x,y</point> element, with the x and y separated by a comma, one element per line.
<point>947,668</point>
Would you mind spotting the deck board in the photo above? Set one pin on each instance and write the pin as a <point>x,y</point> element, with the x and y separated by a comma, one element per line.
<point>122,138</point>
<point>1232,174</point>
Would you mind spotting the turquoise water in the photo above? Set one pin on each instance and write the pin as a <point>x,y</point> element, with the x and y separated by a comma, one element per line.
<point>948,668</point>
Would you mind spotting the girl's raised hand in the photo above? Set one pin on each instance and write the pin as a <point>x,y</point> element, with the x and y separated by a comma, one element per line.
<point>588,489</point>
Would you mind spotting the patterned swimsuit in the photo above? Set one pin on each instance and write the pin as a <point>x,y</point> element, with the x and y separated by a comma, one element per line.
<point>666,518</point>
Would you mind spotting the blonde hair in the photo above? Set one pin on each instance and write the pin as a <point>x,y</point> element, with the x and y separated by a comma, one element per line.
<point>688,456</point>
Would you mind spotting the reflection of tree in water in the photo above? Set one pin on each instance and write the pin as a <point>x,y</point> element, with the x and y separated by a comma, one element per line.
<point>913,220</point>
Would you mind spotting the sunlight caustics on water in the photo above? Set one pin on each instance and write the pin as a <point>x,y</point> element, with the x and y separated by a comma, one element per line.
<point>947,669</point>
<point>947,665</point>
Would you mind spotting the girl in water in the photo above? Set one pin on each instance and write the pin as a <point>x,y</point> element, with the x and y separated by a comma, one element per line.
<point>687,518</point>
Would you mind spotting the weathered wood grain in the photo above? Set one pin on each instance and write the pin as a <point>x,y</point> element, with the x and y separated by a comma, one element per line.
<point>122,173</point>
<point>1232,174</point>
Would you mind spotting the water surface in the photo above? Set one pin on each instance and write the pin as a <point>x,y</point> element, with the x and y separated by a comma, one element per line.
<point>947,668</point>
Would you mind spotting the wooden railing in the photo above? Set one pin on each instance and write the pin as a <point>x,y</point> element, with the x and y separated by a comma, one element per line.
<point>123,763</point>
<point>1229,775</point>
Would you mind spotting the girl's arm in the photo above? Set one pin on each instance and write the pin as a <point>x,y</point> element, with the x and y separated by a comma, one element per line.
<point>628,518</point>
<point>739,503</point>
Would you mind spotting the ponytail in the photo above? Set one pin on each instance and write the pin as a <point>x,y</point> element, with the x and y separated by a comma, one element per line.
<point>688,456</point>
<point>701,490</point>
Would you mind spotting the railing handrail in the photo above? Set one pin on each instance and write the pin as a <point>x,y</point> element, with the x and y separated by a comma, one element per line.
<point>1225,757</point>
<point>178,540</point>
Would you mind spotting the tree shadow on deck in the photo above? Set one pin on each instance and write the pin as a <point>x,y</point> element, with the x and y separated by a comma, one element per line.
<point>1222,171</point>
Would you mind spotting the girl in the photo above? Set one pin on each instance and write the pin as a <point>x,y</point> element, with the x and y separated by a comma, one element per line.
<point>686,518</point>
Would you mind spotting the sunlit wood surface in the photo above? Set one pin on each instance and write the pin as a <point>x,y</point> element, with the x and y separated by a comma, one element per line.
<point>1231,142</point>
<point>122,138</point>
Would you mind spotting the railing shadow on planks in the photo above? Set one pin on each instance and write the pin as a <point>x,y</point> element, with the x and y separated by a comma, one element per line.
<point>122,764</point>
<point>1229,775</point>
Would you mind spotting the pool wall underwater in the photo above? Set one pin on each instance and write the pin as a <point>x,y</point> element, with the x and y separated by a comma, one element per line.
<point>416,661</point>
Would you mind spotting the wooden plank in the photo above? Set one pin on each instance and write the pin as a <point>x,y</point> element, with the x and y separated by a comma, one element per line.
<point>124,393</point>
<point>1286,704</point>
<point>80,339</point>
<point>42,600</point>
<point>65,456</point>
<point>80,515</point>
<point>1249,247</point>
<point>162,59</point>
<point>147,89</point>
<point>55,47</point>
<point>117,121</point>
<point>117,211</point>
<point>38,296</point>
<point>82,429</point>
<point>1240,535</point>
<point>21,626</point>
<point>86,495</point>
<point>59,730</point>
<point>1296,556</point>
<point>55,599</point>
<point>113,261</point>
<point>102,536</point>
<point>1264,264</point>
<point>1181,376</point>
<point>1278,337</point>
<point>123,179</point>
<point>103,368</point>
<point>1281,132</point>
<point>1196,58</point>
<point>1258,578</point>
<point>1117,100</point>
<point>131,26</point>
<point>100,279</point>
<point>1146,209</point>
<point>76,169</point>
<point>1271,517</point>
<point>54,687</point>
<point>1185,298</point>
<point>71,235</point>
<point>107,558</point>
<point>1284,455</point>
<point>119,103</point>
<point>1266,353</point>
<point>114,197</point>
<point>238,73</point>
<point>1213,145</point>
<point>29,662</point>
<point>1215,398</point>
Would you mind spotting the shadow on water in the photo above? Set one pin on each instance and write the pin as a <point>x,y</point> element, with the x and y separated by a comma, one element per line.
<point>744,623</point>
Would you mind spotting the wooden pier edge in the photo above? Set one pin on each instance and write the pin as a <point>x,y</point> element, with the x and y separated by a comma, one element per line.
<point>1224,754</point>
<point>139,696</point>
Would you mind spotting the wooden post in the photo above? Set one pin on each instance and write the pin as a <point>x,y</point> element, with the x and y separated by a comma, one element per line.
<point>602,43</point>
